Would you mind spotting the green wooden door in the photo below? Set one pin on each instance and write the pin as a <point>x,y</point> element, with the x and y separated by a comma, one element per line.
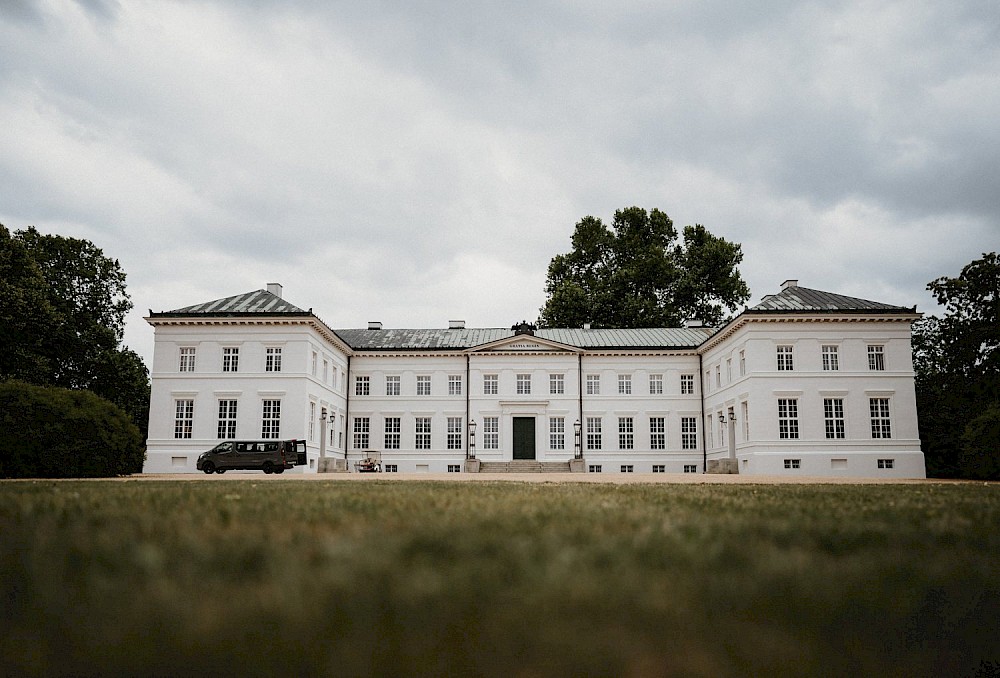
<point>524,437</point>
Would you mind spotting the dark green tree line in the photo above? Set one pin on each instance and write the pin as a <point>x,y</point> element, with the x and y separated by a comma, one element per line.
<point>637,274</point>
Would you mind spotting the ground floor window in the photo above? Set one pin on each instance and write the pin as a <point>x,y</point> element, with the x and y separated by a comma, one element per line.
<point>659,468</point>
<point>391,468</point>
<point>689,433</point>
<point>362,433</point>
<point>792,463</point>
<point>627,468</point>
<point>557,433</point>
<point>886,463</point>
<point>491,433</point>
<point>422,432</point>
<point>183,418</point>
<point>392,429</point>
<point>593,433</point>
<point>881,427</point>
<point>657,433</point>
<point>227,419</point>
<point>454,468</point>
<point>626,433</point>
<point>788,418</point>
<point>594,468</point>
<point>454,433</point>
<point>690,468</point>
<point>270,424</point>
<point>833,416</point>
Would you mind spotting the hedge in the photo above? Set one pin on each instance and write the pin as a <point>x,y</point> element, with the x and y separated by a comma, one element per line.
<point>50,432</point>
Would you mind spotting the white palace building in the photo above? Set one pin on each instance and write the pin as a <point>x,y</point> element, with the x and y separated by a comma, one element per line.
<point>805,383</point>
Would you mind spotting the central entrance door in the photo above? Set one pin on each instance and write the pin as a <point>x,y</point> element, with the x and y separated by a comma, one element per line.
<point>524,437</point>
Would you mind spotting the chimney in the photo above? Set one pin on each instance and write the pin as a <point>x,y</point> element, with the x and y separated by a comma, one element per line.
<point>586,326</point>
<point>275,289</point>
<point>374,325</point>
<point>456,324</point>
<point>789,283</point>
<point>693,322</point>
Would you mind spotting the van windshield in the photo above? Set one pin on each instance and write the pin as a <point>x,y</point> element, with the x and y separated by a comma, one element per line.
<point>223,448</point>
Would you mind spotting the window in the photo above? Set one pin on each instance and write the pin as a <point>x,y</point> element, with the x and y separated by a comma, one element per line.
<point>391,433</point>
<point>227,419</point>
<point>490,382</point>
<point>392,386</point>
<point>557,433</point>
<point>392,468</point>
<point>454,468</point>
<point>690,468</point>
<point>454,384</point>
<point>833,417</point>
<point>743,363</point>
<point>626,433</point>
<point>523,384</point>
<point>746,420</point>
<point>362,433</point>
<point>788,418</point>
<point>326,369</point>
<point>718,376</point>
<point>593,384</point>
<point>729,370</point>
<point>879,407</point>
<point>454,433</point>
<point>491,433</point>
<point>270,423</point>
<point>312,421</point>
<point>314,357</point>
<point>230,359</point>
<point>593,433</point>
<point>659,468</point>
<point>689,433</point>
<point>785,358</point>
<point>627,468</point>
<point>876,358</point>
<point>362,386</point>
<point>793,463</point>
<point>272,359</point>
<point>187,359</point>
<point>594,468</point>
<point>424,385</point>
<point>657,433</point>
<point>886,463</point>
<point>831,359</point>
<point>422,429</point>
<point>624,384</point>
<point>687,384</point>
<point>656,384</point>
<point>557,384</point>
<point>183,418</point>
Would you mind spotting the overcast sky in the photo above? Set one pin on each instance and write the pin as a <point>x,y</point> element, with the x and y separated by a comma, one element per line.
<point>417,162</point>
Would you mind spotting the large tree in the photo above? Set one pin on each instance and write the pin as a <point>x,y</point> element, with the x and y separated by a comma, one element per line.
<point>63,307</point>
<point>637,274</point>
<point>957,362</point>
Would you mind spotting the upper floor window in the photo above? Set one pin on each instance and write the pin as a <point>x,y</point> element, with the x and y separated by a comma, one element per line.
<point>784,358</point>
<point>272,359</point>
<point>656,384</point>
<point>392,385</point>
<point>876,358</point>
<point>326,369</point>
<point>593,384</point>
<point>523,384</point>
<point>490,382</point>
<point>687,384</point>
<point>187,359</point>
<point>315,357</point>
<point>831,358</point>
<point>362,386</point>
<point>729,369</point>
<point>743,363</point>
<point>557,385</point>
<point>454,384</point>
<point>424,385</point>
<point>624,384</point>
<point>230,359</point>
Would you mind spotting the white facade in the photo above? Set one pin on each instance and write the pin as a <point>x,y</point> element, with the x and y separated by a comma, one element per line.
<point>841,402</point>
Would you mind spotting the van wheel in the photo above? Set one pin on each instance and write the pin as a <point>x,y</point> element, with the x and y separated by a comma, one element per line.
<point>209,467</point>
<point>268,467</point>
<point>279,469</point>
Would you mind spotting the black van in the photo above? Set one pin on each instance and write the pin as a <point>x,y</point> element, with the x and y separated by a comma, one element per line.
<point>269,456</point>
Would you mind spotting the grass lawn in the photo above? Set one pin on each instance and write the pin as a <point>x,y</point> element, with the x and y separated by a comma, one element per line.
<point>269,576</point>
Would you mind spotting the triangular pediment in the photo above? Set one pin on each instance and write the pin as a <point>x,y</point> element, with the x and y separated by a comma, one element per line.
<point>526,343</point>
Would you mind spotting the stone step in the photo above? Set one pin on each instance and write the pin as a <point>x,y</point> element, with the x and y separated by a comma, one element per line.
<point>524,466</point>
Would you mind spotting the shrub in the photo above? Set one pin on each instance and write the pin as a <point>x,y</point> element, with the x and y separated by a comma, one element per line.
<point>51,432</point>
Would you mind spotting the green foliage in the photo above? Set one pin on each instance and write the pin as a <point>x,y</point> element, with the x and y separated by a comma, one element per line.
<point>957,362</point>
<point>63,312</point>
<point>256,577</point>
<point>635,274</point>
<point>51,432</point>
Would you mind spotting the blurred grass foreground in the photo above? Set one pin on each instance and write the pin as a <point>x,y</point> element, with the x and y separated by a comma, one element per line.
<point>270,576</point>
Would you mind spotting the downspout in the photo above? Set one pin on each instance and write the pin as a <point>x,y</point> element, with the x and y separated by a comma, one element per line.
<point>347,408</point>
<point>701,421</point>
<point>468,410</point>
<point>579,384</point>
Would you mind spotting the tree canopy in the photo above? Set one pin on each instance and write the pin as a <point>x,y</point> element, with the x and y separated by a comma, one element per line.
<point>637,274</point>
<point>62,317</point>
<point>957,362</point>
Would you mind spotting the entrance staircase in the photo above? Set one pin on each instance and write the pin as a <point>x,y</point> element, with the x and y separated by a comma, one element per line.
<point>524,466</point>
